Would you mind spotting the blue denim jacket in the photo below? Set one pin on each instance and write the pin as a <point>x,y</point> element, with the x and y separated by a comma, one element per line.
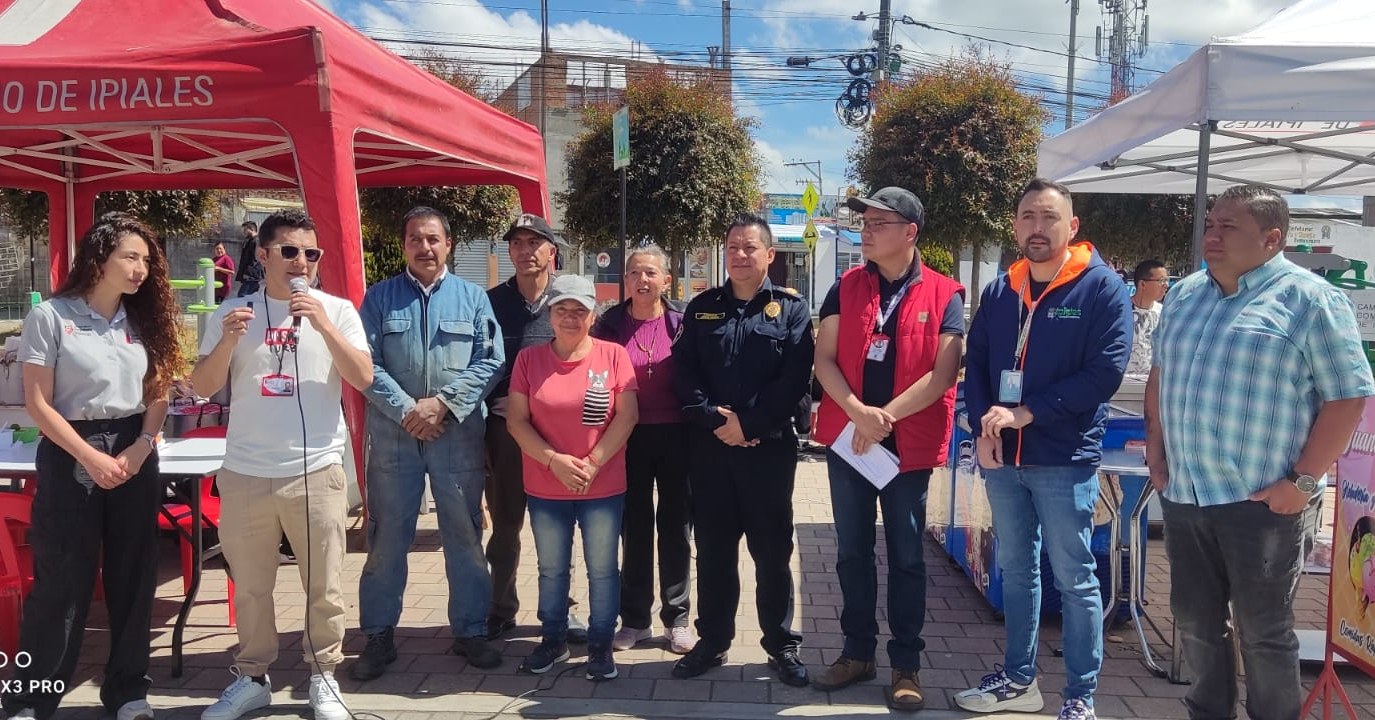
<point>447,345</point>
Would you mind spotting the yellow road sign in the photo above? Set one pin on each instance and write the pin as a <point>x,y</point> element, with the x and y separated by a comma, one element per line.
<point>810,234</point>
<point>810,197</point>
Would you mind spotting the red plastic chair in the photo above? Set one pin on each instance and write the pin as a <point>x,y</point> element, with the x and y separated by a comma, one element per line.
<point>16,566</point>
<point>210,515</point>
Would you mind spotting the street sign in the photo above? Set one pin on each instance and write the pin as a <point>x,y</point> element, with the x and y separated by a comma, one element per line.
<point>620,138</point>
<point>810,197</point>
<point>810,234</point>
<point>603,260</point>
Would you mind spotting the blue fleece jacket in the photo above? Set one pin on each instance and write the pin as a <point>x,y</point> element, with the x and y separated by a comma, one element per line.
<point>1076,352</point>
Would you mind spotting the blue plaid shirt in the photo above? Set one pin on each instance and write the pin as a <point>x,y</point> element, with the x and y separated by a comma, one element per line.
<point>1242,376</point>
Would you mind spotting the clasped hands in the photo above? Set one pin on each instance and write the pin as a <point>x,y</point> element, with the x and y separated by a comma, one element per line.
<point>109,472</point>
<point>990,444</point>
<point>425,421</point>
<point>575,473</point>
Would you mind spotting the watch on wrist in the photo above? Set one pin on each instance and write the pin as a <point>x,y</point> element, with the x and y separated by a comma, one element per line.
<point>149,438</point>
<point>1307,484</point>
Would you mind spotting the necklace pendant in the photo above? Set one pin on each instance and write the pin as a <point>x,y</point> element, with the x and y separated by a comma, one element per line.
<point>649,371</point>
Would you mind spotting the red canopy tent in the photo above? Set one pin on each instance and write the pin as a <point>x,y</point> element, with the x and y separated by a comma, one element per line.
<point>100,95</point>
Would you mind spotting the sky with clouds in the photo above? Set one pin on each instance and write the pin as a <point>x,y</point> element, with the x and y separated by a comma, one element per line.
<point>795,106</point>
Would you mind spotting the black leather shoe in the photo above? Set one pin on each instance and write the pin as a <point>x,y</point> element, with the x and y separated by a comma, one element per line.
<point>496,627</point>
<point>479,653</point>
<point>790,669</point>
<point>379,653</point>
<point>697,662</point>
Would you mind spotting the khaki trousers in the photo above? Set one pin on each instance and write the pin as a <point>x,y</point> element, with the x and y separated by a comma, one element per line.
<point>254,511</point>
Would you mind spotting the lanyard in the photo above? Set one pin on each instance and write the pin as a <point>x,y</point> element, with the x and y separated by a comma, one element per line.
<point>1023,299</point>
<point>278,350</point>
<point>893,302</point>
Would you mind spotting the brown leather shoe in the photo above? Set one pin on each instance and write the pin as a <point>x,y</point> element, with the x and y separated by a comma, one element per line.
<point>906,694</point>
<point>843,673</point>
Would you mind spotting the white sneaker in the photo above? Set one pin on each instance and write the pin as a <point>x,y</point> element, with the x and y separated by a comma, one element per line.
<point>997,691</point>
<point>325,698</point>
<point>244,695</point>
<point>133,710</point>
<point>680,641</point>
<point>629,637</point>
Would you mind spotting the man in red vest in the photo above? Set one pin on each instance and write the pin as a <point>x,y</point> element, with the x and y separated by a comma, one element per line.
<point>887,355</point>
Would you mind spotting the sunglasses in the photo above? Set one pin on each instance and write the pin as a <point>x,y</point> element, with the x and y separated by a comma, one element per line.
<point>289,252</point>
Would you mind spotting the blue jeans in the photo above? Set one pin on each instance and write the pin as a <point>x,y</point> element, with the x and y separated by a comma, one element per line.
<point>552,523</point>
<point>397,466</point>
<point>903,500</point>
<point>1053,505</point>
<point>1235,568</point>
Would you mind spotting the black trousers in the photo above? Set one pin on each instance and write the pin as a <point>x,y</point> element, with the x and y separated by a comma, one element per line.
<point>656,455</point>
<point>74,520</point>
<point>506,504</point>
<point>749,492</point>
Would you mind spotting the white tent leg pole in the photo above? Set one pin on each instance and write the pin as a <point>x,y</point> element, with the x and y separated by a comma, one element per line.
<point>71,223</point>
<point>1205,134</point>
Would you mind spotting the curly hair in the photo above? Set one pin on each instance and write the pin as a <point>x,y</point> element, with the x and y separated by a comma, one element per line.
<point>152,310</point>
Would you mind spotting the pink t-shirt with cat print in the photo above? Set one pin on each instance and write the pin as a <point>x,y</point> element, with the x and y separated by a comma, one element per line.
<point>571,405</point>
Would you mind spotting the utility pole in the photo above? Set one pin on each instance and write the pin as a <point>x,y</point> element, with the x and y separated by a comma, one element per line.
<point>1073,50</point>
<point>885,39</point>
<point>539,64</point>
<point>725,46</point>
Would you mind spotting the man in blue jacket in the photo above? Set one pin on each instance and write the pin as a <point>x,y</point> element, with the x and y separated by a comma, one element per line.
<point>1046,351</point>
<point>436,353</point>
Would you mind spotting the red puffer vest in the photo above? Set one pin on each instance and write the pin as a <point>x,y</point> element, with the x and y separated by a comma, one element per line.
<point>923,438</point>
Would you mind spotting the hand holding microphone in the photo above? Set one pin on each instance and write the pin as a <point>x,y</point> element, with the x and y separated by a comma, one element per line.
<point>304,305</point>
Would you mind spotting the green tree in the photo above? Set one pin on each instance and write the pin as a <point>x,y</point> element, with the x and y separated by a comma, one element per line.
<point>475,211</point>
<point>168,212</point>
<point>693,168</point>
<point>1132,228</point>
<point>963,138</point>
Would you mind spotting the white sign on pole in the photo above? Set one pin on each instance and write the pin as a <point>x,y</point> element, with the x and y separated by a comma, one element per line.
<point>620,138</point>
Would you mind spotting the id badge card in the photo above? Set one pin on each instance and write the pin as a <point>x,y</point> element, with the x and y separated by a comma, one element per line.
<point>1010,387</point>
<point>279,386</point>
<point>878,348</point>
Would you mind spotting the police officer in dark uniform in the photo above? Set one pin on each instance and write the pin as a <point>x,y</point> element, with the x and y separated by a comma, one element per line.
<point>742,361</point>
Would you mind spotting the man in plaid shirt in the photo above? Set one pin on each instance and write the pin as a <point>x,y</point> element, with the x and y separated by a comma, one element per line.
<point>1257,383</point>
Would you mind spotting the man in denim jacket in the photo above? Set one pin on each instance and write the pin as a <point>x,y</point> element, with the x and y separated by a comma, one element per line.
<point>436,353</point>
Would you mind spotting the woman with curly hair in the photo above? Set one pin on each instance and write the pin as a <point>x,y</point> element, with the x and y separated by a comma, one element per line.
<point>98,358</point>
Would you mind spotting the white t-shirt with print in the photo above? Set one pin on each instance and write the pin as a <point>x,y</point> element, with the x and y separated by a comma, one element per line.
<point>265,433</point>
<point>1144,323</point>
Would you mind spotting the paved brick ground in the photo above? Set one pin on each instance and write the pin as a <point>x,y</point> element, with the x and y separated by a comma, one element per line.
<point>964,638</point>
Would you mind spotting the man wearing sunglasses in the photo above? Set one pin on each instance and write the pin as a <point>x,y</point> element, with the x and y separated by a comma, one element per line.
<point>286,351</point>
<point>1152,281</point>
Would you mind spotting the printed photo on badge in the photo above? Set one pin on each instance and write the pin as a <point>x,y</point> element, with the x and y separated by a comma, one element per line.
<point>279,386</point>
<point>1010,387</point>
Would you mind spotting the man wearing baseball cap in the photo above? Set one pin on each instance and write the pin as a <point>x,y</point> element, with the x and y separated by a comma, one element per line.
<point>887,356</point>
<point>521,305</point>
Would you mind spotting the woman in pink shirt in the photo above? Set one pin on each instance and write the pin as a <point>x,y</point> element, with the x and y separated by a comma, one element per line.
<point>571,409</point>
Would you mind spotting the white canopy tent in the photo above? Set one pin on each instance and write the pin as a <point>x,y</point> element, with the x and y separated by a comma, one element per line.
<point>1289,105</point>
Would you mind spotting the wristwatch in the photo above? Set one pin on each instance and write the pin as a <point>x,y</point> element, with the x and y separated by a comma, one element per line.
<point>149,438</point>
<point>1307,484</point>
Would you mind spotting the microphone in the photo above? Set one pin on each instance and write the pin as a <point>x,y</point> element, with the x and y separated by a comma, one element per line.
<point>299,286</point>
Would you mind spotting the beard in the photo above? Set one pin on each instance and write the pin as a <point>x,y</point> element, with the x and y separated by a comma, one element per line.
<point>1039,253</point>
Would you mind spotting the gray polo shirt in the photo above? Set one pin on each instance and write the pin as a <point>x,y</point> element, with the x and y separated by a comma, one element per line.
<point>98,365</point>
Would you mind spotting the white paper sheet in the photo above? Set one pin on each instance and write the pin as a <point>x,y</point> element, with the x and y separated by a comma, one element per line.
<point>877,465</point>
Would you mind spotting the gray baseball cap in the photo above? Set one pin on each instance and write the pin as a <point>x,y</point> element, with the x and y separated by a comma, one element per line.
<point>893,199</point>
<point>537,225</point>
<point>573,287</point>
